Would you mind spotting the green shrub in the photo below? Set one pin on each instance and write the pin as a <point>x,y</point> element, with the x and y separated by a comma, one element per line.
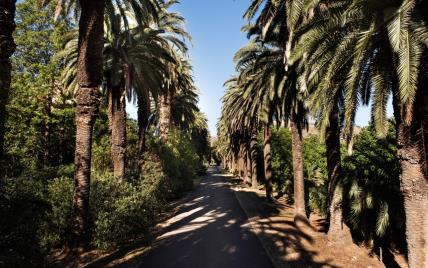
<point>36,212</point>
<point>126,211</point>
<point>180,162</point>
<point>282,165</point>
<point>374,204</point>
<point>22,210</point>
<point>54,229</point>
<point>316,177</point>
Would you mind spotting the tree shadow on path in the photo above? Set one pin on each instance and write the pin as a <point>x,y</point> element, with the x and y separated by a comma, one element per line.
<point>212,230</point>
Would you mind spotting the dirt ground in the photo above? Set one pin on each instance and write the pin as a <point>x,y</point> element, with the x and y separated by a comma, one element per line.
<point>291,245</point>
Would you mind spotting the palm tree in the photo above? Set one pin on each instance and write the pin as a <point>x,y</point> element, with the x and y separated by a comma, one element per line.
<point>89,77</point>
<point>134,63</point>
<point>272,25</point>
<point>253,100</point>
<point>365,40</point>
<point>177,76</point>
<point>127,56</point>
<point>178,80</point>
<point>7,48</point>
<point>400,28</point>
<point>87,97</point>
<point>324,63</point>
<point>238,126</point>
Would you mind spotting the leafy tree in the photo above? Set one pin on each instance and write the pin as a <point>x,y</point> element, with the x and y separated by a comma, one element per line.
<point>372,189</point>
<point>7,47</point>
<point>41,115</point>
<point>282,165</point>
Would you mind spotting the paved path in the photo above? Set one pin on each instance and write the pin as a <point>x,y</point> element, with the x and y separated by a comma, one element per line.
<point>211,230</point>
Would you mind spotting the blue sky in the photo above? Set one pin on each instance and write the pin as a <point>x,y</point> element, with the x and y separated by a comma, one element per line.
<point>215,28</point>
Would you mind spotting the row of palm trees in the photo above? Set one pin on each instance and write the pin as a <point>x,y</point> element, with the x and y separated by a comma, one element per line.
<point>322,59</point>
<point>131,49</point>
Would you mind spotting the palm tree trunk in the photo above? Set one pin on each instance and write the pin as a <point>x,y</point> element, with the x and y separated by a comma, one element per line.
<point>242,165</point>
<point>233,163</point>
<point>117,125</point>
<point>338,231</point>
<point>253,156</point>
<point>165,115</point>
<point>412,153</point>
<point>7,48</point>
<point>267,156</point>
<point>89,75</point>
<point>143,119</point>
<point>248,164</point>
<point>299,186</point>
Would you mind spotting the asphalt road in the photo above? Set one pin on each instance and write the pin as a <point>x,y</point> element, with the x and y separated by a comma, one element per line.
<point>211,230</point>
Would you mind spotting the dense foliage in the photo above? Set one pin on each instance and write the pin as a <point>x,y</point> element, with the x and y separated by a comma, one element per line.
<point>372,198</point>
<point>372,188</point>
<point>36,190</point>
<point>36,205</point>
<point>320,60</point>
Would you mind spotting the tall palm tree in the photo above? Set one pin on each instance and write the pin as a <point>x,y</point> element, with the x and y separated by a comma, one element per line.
<point>87,97</point>
<point>178,80</point>
<point>133,66</point>
<point>240,124</point>
<point>324,63</point>
<point>277,21</point>
<point>127,56</point>
<point>89,77</point>
<point>177,76</point>
<point>7,47</point>
<point>366,39</point>
<point>401,28</point>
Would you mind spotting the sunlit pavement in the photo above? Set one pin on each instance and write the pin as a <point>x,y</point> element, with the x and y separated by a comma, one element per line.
<point>211,230</point>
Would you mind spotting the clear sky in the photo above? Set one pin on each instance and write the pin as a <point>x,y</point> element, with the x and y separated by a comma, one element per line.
<point>215,28</point>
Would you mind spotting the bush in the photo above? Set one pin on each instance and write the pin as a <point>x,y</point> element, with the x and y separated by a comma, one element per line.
<point>54,229</point>
<point>22,210</point>
<point>316,177</point>
<point>35,207</point>
<point>36,212</point>
<point>126,211</point>
<point>179,161</point>
<point>282,165</point>
<point>374,203</point>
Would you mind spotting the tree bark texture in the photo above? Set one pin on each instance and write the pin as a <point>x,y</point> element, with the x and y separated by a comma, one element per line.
<point>143,119</point>
<point>267,157</point>
<point>7,48</point>
<point>253,155</point>
<point>89,76</point>
<point>233,163</point>
<point>165,115</point>
<point>299,186</point>
<point>248,164</point>
<point>338,231</point>
<point>243,166</point>
<point>412,153</point>
<point>117,125</point>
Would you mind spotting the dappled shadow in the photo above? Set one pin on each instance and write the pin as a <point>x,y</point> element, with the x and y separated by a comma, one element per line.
<point>290,242</point>
<point>211,230</point>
